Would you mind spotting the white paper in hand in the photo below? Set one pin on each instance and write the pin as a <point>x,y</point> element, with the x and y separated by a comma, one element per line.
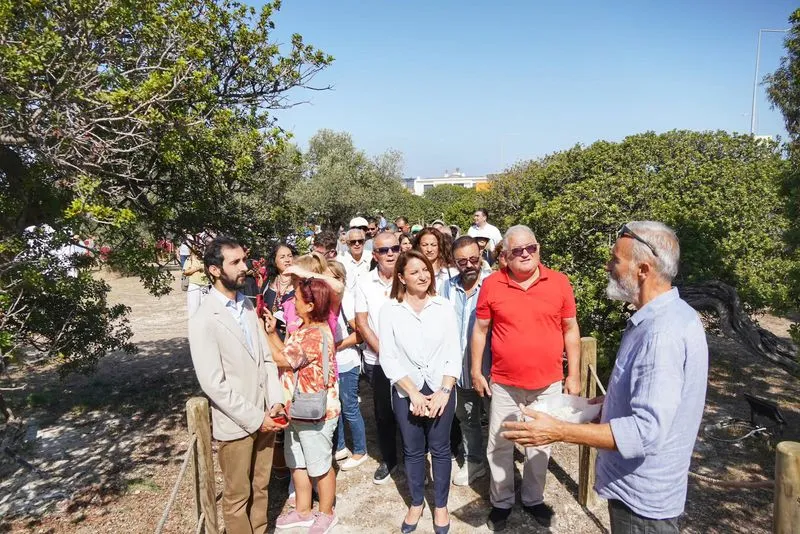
<point>570,408</point>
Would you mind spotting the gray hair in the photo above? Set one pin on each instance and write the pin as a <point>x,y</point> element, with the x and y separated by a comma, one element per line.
<point>516,229</point>
<point>351,230</point>
<point>663,239</point>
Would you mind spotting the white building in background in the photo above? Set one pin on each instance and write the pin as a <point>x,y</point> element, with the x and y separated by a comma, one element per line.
<point>419,185</point>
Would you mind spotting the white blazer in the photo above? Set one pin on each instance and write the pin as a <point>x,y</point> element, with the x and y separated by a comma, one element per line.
<point>241,384</point>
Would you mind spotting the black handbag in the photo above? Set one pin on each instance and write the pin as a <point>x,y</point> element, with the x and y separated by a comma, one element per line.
<point>312,406</point>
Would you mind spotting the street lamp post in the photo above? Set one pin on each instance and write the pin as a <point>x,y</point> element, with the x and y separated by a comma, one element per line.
<point>755,78</point>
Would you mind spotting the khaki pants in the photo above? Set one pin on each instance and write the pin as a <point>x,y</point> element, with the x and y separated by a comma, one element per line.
<point>246,465</point>
<point>500,451</point>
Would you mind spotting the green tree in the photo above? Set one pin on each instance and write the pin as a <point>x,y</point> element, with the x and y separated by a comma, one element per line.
<point>342,182</point>
<point>131,120</point>
<point>783,90</point>
<point>453,203</point>
<point>720,192</point>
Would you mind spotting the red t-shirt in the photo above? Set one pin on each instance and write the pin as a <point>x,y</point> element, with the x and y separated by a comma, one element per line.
<point>527,330</point>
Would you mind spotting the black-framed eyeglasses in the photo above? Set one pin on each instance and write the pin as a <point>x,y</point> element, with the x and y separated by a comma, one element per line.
<point>385,250</point>
<point>530,249</point>
<point>474,260</point>
<point>624,231</point>
<point>356,242</point>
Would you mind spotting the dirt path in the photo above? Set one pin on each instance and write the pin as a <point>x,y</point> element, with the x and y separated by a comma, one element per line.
<point>109,448</point>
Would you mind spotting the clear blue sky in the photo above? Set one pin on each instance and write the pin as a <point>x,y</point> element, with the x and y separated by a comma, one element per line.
<point>480,85</point>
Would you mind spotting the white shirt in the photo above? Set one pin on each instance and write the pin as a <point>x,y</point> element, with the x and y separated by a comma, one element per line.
<point>371,294</point>
<point>355,268</point>
<point>184,250</point>
<point>489,231</point>
<point>424,347</point>
<point>349,358</point>
<point>236,309</point>
<point>444,274</point>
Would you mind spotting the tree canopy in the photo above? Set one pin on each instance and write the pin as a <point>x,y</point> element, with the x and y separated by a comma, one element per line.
<point>720,192</point>
<point>783,90</point>
<point>133,120</point>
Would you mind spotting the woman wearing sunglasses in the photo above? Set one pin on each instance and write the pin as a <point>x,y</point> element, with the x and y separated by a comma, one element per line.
<point>420,355</point>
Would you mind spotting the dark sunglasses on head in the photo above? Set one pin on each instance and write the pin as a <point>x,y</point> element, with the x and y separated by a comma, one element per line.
<point>530,249</point>
<point>474,260</point>
<point>356,241</point>
<point>624,231</point>
<point>385,250</point>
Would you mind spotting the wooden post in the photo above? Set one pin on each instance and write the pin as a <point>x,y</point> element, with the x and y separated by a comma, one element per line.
<point>786,518</point>
<point>200,426</point>
<point>587,455</point>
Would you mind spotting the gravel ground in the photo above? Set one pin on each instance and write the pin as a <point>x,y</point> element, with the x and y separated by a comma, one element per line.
<point>108,448</point>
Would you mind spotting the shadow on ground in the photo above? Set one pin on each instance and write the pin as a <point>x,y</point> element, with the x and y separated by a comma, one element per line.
<point>102,435</point>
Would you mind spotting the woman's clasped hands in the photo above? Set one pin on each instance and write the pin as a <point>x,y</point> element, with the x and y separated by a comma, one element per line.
<point>432,405</point>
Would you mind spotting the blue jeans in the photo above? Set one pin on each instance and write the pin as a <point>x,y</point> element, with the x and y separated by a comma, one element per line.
<point>351,412</point>
<point>469,407</point>
<point>416,432</point>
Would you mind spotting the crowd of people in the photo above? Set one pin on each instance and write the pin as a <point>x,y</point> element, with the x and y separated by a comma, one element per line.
<point>451,332</point>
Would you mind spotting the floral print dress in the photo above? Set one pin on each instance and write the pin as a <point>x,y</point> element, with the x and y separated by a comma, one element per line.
<point>303,350</point>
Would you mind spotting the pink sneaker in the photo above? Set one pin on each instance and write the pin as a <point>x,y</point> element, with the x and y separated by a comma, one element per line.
<point>293,520</point>
<point>324,523</point>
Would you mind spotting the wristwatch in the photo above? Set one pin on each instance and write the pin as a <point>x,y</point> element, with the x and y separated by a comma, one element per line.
<point>446,390</point>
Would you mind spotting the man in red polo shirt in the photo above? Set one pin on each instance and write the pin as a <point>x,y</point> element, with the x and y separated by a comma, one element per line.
<point>531,312</point>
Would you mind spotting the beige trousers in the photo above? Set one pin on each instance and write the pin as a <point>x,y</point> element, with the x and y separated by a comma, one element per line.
<point>500,451</point>
<point>246,465</point>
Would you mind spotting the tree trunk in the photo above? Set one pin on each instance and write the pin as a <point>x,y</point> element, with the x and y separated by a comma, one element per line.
<point>736,324</point>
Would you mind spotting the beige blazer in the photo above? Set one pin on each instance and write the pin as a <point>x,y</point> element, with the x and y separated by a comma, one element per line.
<point>241,384</point>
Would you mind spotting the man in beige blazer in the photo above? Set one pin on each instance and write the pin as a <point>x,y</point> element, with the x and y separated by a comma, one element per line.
<point>235,369</point>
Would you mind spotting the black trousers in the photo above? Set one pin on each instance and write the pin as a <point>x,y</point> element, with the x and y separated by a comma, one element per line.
<point>626,521</point>
<point>384,416</point>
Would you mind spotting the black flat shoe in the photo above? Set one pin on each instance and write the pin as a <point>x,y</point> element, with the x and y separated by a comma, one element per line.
<point>498,519</point>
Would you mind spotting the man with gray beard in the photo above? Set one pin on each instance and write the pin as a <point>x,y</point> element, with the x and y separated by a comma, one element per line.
<point>656,393</point>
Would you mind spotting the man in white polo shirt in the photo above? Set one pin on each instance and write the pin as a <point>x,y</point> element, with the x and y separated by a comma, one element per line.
<point>356,260</point>
<point>372,292</point>
<point>482,227</point>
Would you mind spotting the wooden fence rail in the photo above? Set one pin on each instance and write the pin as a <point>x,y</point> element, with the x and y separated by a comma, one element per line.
<point>587,455</point>
<point>199,454</point>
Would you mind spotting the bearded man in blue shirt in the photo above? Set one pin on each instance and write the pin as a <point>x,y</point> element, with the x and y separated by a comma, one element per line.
<point>656,393</point>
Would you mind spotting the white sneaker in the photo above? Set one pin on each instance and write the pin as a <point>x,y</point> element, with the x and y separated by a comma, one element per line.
<point>352,463</point>
<point>468,473</point>
<point>342,454</point>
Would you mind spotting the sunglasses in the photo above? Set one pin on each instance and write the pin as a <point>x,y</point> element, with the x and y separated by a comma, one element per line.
<point>530,249</point>
<point>385,250</point>
<point>474,260</point>
<point>624,231</point>
<point>356,242</point>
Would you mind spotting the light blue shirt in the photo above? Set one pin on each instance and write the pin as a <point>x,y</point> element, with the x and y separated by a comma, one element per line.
<point>465,305</point>
<point>236,309</point>
<point>654,404</point>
